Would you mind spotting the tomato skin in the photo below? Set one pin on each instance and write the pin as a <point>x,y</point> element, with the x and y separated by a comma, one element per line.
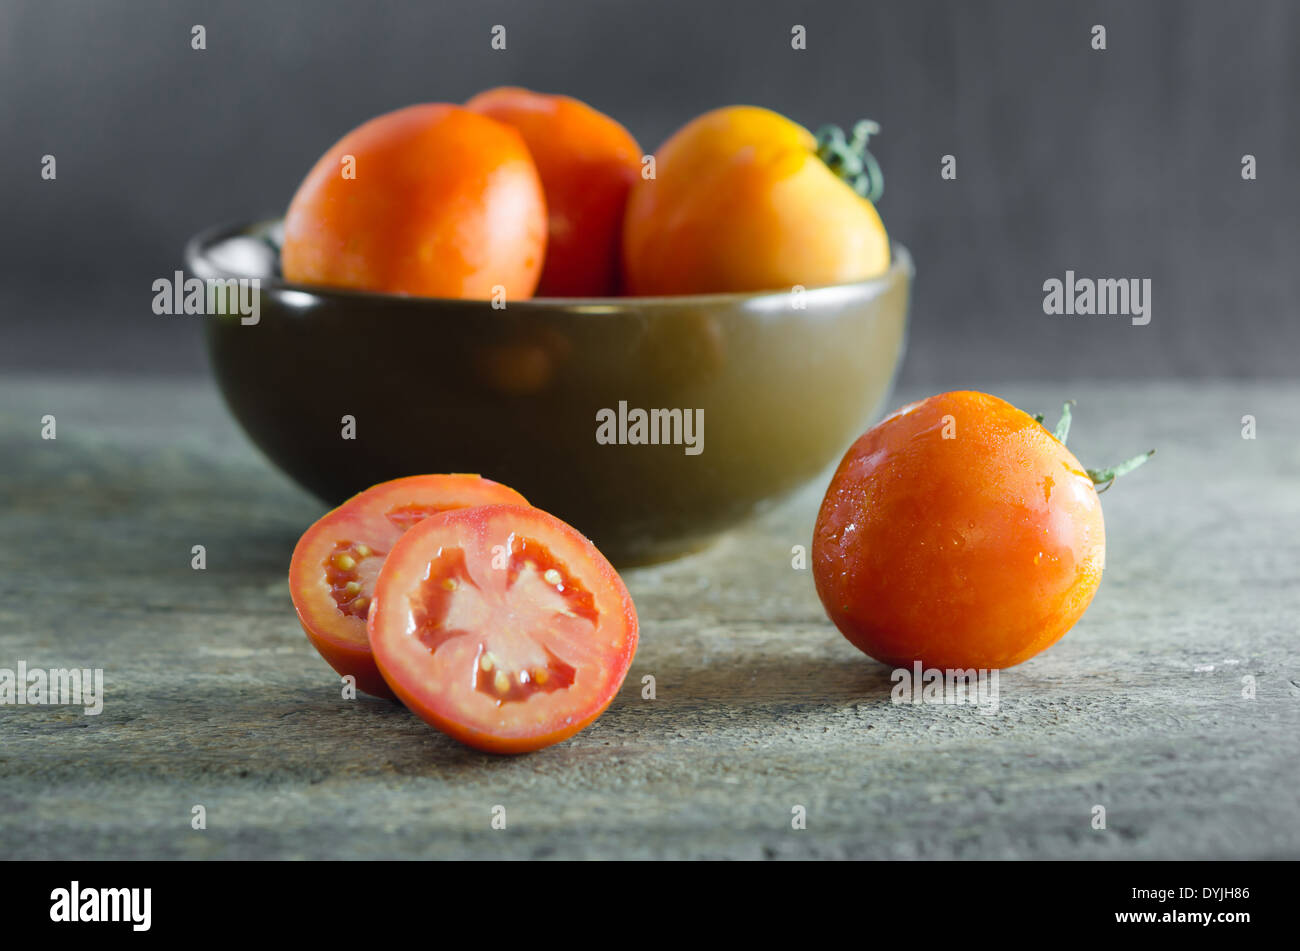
<point>587,162</point>
<point>412,676</point>
<point>741,202</point>
<point>444,203</point>
<point>339,638</point>
<point>975,551</point>
<point>357,662</point>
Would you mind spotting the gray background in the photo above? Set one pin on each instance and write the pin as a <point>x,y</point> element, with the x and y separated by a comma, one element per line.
<point>1123,163</point>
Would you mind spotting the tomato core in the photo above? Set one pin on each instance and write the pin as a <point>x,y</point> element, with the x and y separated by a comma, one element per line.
<point>533,593</point>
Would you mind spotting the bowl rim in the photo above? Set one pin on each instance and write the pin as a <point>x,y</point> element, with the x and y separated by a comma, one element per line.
<point>200,264</point>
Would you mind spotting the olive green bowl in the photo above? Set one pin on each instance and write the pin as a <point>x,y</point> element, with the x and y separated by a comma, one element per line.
<point>343,389</point>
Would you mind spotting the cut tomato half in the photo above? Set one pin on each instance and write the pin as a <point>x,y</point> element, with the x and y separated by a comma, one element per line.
<point>502,626</point>
<point>335,564</point>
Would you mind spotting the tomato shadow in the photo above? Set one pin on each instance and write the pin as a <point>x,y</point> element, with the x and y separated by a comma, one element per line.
<point>766,686</point>
<point>372,736</point>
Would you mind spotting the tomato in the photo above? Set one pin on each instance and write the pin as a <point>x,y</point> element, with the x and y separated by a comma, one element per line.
<point>742,200</point>
<point>335,564</point>
<point>432,200</point>
<point>502,626</point>
<point>961,533</point>
<point>587,163</point>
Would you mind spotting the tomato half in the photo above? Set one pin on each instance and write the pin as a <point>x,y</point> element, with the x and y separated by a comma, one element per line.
<point>502,626</point>
<point>335,564</point>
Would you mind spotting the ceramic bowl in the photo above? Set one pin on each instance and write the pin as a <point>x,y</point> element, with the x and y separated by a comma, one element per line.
<point>651,424</point>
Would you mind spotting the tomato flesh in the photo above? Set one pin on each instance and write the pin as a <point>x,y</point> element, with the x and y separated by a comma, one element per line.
<point>502,626</point>
<point>337,561</point>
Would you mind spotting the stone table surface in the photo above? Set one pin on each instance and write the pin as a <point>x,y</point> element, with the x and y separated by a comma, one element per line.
<point>213,696</point>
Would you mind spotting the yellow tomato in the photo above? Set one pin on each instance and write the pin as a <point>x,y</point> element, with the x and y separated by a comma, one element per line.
<point>743,199</point>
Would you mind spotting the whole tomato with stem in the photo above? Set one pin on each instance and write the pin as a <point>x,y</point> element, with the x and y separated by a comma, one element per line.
<point>744,199</point>
<point>961,533</point>
<point>587,162</point>
<point>431,200</point>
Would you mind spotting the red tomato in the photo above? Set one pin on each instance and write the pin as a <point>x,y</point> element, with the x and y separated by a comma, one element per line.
<point>332,575</point>
<point>502,626</point>
<point>958,532</point>
<point>587,163</point>
<point>432,200</point>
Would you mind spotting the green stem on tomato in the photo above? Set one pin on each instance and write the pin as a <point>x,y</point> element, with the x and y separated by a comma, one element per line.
<point>850,160</point>
<point>1063,427</point>
<point>1103,478</point>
